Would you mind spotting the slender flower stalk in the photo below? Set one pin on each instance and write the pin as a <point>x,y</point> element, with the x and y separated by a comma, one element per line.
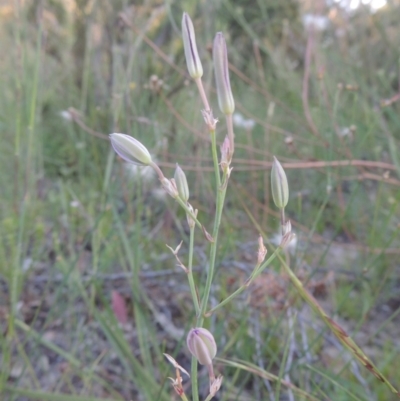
<point>258,269</point>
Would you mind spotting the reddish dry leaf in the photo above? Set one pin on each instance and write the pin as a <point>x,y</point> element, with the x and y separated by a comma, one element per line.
<point>119,307</point>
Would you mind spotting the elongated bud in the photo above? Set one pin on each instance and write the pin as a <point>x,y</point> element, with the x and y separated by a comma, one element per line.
<point>181,183</point>
<point>226,154</point>
<point>279,185</point>
<point>202,345</point>
<point>189,44</point>
<point>130,149</point>
<point>220,57</point>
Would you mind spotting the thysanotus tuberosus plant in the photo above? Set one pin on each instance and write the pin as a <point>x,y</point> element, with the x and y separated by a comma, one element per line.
<point>200,341</point>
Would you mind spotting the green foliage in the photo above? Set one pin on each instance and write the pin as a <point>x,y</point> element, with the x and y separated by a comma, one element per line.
<point>76,224</point>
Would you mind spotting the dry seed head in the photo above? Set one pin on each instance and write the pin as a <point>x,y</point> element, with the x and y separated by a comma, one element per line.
<point>279,185</point>
<point>189,44</point>
<point>220,57</point>
<point>130,149</point>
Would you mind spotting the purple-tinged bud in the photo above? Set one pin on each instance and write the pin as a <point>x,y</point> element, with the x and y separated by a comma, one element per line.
<point>130,149</point>
<point>189,44</point>
<point>279,185</point>
<point>181,183</point>
<point>202,345</point>
<point>220,57</point>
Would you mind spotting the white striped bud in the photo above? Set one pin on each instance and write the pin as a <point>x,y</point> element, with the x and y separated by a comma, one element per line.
<point>130,149</point>
<point>189,44</point>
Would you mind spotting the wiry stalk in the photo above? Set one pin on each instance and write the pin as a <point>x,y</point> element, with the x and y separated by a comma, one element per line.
<point>336,329</point>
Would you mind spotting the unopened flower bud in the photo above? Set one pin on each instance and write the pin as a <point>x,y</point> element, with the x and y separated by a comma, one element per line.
<point>279,185</point>
<point>189,44</point>
<point>130,149</point>
<point>220,57</point>
<point>181,183</point>
<point>202,345</point>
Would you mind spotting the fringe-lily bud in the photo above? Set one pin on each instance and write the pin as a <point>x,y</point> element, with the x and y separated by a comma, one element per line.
<point>202,345</point>
<point>279,185</point>
<point>181,183</point>
<point>220,57</point>
<point>130,149</point>
<point>189,44</point>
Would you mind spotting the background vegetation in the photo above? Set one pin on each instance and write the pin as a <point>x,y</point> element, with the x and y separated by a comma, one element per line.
<point>316,84</point>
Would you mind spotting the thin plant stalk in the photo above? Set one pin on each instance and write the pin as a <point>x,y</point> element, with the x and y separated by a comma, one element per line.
<point>337,330</point>
<point>220,197</point>
<point>256,272</point>
<point>190,273</point>
<point>202,92</point>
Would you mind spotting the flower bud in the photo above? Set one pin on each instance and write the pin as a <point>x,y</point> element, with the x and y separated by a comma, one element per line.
<point>220,57</point>
<point>226,154</point>
<point>181,183</point>
<point>279,185</point>
<point>202,345</point>
<point>189,44</point>
<point>130,149</point>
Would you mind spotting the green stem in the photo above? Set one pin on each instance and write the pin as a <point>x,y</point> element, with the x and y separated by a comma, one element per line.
<point>256,272</point>
<point>195,385</point>
<point>190,212</point>
<point>221,191</point>
<point>215,160</point>
<point>190,273</point>
<point>220,197</point>
<point>213,252</point>
<point>338,331</point>
<point>184,398</point>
